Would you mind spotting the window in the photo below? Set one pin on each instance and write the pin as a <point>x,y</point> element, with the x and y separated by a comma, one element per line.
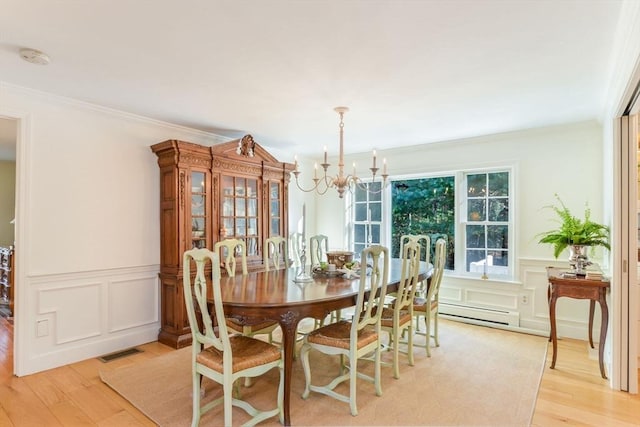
<point>475,220</point>
<point>487,223</point>
<point>424,206</point>
<point>367,216</point>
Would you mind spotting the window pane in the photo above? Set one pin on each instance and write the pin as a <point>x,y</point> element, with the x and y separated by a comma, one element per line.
<point>498,236</point>
<point>252,188</point>
<point>476,208</point>
<point>240,185</point>
<point>375,195</point>
<point>197,205</point>
<point>424,206</point>
<point>275,208</point>
<point>274,191</point>
<point>229,225</point>
<point>361,212</point>
<point>475,236</point>
<point>197,182</point>
<point>253,226</point>
<point>499,184</point>
<point>359,233</point>
<point>476,185</point>
<point>240,227</point>
<point>252,246</point>
<point>240,204</point>
<point>477,257</point>
<point>227,185</point>
<point>375,233</point>
<point>360,194</point>
<point>500,258</point>
<point>275,227</point>
<point>376,211</point>
<point>227,206</point>
<point>253,207</point>
<point>499,209</point>
<point>197,224</point>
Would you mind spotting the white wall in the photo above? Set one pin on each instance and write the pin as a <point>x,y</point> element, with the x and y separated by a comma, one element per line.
<point>87,228</point>
<point>563,159</point>
<point>7,201</point>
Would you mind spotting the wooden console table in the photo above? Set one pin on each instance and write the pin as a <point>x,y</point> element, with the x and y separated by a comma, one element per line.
<point>580,288</point>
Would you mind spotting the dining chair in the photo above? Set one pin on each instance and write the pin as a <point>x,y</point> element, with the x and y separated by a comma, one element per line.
<point>222,357</point>
<point>274,248</point>
<point>425,249</point>
<point>318,247</point>
<point>427,307</point>
<point>356,338</point>
<point>229,249</point>
<point>398,319</point>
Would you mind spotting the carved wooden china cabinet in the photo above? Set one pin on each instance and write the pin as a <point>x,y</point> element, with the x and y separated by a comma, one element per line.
<point>231,190</point>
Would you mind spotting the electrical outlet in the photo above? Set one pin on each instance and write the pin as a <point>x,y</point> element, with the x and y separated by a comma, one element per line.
<point>42,328</point>
<point>524,299</point>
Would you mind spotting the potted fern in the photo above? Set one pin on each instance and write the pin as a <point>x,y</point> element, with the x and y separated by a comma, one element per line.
<point>574,233</point>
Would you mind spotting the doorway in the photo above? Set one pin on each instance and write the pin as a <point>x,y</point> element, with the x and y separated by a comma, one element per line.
<point>8,176</point>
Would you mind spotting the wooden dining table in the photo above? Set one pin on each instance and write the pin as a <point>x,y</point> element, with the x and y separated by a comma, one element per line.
<point>274,295</point>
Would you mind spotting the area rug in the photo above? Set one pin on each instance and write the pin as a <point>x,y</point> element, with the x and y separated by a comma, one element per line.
<point>479,376</point>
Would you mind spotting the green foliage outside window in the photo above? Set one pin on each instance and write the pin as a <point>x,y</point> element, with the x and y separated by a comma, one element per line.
<point>424,206</point>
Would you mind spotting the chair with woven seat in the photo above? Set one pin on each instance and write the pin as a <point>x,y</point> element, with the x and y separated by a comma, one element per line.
<point>427,307</point>
<point>274,249</point>
<point>222,357</point>
<point>398,319</point>
<point>354,339</point>
<point>318,247</point>
<point>425,250</point>
<point>229,249</point>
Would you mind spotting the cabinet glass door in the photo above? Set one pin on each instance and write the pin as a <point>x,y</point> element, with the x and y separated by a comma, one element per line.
<point>275,215</point>
<point>239,210</point>
<point>198,210</point>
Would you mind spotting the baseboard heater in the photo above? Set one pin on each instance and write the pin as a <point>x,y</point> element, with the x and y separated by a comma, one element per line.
<point>502,317</point>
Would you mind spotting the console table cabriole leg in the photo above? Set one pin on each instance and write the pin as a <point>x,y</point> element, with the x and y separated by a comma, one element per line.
<point>554,338</point>
<point>603,329</point>
<point>592,307</point>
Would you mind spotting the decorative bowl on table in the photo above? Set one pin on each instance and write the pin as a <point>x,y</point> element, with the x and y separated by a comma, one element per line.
<point>339,258</point>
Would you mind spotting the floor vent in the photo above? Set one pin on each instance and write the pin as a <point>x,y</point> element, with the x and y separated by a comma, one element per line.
<point>119,354</point>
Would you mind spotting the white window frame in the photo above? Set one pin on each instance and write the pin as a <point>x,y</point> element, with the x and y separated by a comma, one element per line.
<point>460,198</point>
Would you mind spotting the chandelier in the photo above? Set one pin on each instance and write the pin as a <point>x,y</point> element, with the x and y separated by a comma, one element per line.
<point>341,182</point>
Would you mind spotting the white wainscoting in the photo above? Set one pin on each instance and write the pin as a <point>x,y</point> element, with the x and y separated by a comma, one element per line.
<point>520,305</point>
<point>88,314</point>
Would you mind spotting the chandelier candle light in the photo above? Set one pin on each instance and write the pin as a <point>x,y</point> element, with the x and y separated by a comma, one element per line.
<point>341,182</point>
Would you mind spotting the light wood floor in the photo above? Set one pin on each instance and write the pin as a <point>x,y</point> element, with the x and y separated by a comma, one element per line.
<point>73,395</point>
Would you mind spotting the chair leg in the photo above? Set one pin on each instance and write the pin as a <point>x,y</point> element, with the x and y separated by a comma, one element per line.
<point>353,376</point>
<point>195,415</point>
<point>304,359</point>
<point>227,389</point>
<point>376,371</point>
<point>435,328</point>
<point>410,343</point>
<point>396,352</point>
<point>427,335</point>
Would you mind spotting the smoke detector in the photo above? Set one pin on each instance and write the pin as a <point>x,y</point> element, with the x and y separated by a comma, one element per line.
<point>34,56</point>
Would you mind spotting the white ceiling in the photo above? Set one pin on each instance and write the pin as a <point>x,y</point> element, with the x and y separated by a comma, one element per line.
<point>411,71</point>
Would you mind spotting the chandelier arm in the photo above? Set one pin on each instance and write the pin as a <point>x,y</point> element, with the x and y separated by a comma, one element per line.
<point>315,187</point>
